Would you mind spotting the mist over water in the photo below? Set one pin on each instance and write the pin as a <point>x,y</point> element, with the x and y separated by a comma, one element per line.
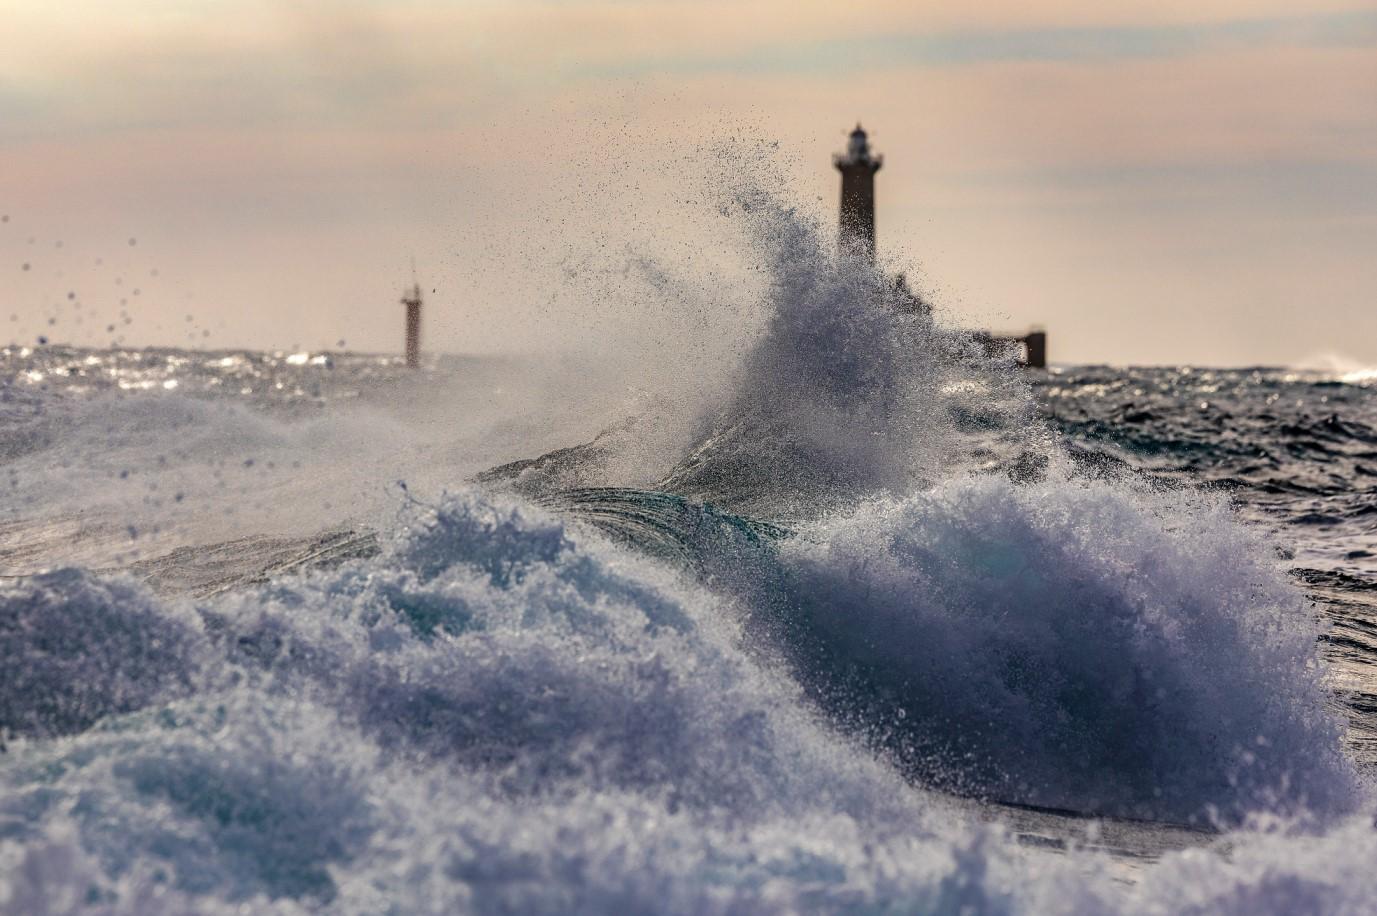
<point>812,615</point>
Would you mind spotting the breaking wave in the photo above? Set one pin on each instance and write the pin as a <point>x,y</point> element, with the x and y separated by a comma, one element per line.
<point>1069,644</point>
<point>502,711</point>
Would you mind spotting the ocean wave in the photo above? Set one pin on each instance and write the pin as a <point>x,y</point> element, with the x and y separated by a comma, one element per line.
<point>850,388</point>
<point>76,649</point>
<point>501,711</point>
<point>1338,368</point>
<point>1071,644</point>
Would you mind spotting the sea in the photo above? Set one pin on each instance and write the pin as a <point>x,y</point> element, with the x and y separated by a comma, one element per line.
<point>872,620</point>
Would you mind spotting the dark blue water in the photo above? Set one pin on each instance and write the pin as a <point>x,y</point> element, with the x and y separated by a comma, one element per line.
<point>1296,451</point>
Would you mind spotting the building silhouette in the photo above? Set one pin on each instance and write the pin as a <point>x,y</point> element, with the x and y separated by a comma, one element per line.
<point>412,300</point>
<point>858,167</point>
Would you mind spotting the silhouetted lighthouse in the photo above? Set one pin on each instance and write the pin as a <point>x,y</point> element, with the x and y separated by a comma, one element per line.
<point>858,168</point>
<point>412,300</point>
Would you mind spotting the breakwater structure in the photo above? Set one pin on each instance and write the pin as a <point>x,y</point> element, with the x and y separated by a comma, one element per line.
<point>856,237</point>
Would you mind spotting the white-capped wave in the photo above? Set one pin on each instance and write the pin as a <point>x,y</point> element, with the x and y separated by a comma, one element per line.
<point>1073,644</point>
<point>503,713</point>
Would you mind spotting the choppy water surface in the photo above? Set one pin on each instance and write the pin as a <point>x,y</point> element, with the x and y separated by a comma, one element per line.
<point>890,626</point>
<point>1296,450</point>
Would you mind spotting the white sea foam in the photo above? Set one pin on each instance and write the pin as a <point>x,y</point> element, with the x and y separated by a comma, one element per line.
<point>502,713</point>
<point>850,388</point>
<point>1338,367</point>
<point>1073,644</point>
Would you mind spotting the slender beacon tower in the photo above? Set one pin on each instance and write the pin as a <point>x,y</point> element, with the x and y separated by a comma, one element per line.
<point>858,167</point>
<point>412,300</point>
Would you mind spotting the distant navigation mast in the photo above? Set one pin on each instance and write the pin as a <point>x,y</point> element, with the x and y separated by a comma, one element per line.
<point>412,300</point>
<point>858,167</point>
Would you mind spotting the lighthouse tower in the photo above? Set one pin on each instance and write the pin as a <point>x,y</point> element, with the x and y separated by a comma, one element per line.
<point>412,300</point>
<point>858,167</point>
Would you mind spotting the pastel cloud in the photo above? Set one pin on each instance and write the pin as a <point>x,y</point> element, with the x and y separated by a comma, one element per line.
<point>1085,43</point>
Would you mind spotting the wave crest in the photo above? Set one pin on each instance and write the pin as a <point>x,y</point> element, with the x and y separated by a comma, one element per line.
<point>1071,644</point>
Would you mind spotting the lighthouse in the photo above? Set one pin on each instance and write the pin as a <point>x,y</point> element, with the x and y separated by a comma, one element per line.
<point>858,167</point>
<point>412,300</point>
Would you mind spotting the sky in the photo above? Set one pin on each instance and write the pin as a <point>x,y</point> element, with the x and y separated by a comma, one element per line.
<point>1163,182</point>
